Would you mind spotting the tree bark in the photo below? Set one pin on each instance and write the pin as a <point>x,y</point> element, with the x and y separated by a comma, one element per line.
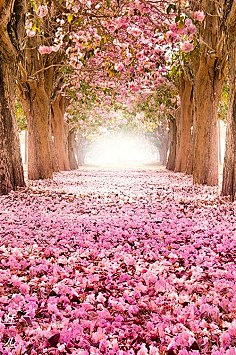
<point>38,79</point>
<point>11,27</point>
<point>207,90</point>
<point>59,133</point>
<point>184,125</point>
<point>208,69</point>
<point>11,169</point>
<point>163,136</point>
<point>37,105</point>
<point>229,170</point>
<point>173,143</point>
<point>72,150</point>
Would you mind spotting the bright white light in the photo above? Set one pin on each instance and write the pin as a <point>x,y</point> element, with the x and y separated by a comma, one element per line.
<point>121,150</point>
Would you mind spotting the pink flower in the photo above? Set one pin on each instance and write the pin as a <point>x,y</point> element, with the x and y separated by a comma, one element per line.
<point>153,350</point>
<point>42,11</point>
<point>225,339</point>
<point>187,47</point>
<point>119,66</point>
<point>45,49</point>
<point>135,31</point>
<point>143,350</point>
<point>30,33</point>
<point>101,298</point>
<point>98,336</point>
<point>198,15</point>
<point>24,288</point>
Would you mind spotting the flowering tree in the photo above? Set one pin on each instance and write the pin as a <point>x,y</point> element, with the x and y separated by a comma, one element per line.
<point>200,81</point>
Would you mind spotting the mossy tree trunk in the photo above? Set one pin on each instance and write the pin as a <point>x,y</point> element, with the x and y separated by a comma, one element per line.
<point>229,170</point>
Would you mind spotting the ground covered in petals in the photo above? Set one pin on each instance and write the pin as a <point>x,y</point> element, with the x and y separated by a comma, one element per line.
<point>117,262</point>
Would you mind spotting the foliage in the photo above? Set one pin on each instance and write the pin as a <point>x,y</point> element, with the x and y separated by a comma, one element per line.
<point>224,102</point>
<point>20,116</point>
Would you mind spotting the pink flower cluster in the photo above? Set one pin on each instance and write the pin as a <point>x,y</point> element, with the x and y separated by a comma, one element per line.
<point>199,16</point>
<point>48,49</point>
<point>187,47</point>
<point>42,11</point>
<point>117,262</point>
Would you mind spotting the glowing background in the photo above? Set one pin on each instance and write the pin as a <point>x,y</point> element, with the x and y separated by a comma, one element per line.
<point>121,150</point>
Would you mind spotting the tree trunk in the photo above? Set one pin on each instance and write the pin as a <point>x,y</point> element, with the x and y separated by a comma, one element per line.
<point>37,107</point>
<point>229,171</point>
<point>11,169</point>
<point>11,30</point>
<point>26,148</point>
<point>173,143</point>
<point>38,79</point>
<point>163,137</point>
<point>208,69</point>
<point>184,125</point>
<point>207,90</point>
<point>72,150</point>
<point>189,170</point>
<point>59,134</point>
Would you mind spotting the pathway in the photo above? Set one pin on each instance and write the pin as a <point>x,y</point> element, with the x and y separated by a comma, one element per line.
<point>117,262</point>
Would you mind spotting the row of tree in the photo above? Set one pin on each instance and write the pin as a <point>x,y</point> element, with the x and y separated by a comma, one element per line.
<point>121,49</point>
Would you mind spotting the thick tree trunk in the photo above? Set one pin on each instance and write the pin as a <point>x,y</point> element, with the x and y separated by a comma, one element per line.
<point>11,29</point>
<point>173,143</point>
<point>185,123</point>
<point>11,169</point>
<point>229,171</point>
<point>207,90</point>
<point>37,107</point>
<point>37,83</point>
<point>208,69</point>
<point>59,134</point>
<point>72,150</point>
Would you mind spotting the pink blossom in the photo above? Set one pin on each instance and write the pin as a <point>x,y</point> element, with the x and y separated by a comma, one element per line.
<point>42,11</point>
<point>143,350</point>
<point>45,49</point>
<point>199,15</point>
<point>187,47</point>
<point>119,66</point>
<point>30,33</point>
<point>98,335</point>
<point>225,339</point>
<point>135,31</point>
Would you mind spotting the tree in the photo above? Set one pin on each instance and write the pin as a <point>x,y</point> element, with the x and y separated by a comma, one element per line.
<point>229,172</point>
<point>184,122</point>
<point>11,33</point>
<point>208,67</point>
<point>59,131</point>
<point>37,79</point>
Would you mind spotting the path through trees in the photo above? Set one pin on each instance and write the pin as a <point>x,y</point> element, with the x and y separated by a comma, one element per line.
<point>117,262</point>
